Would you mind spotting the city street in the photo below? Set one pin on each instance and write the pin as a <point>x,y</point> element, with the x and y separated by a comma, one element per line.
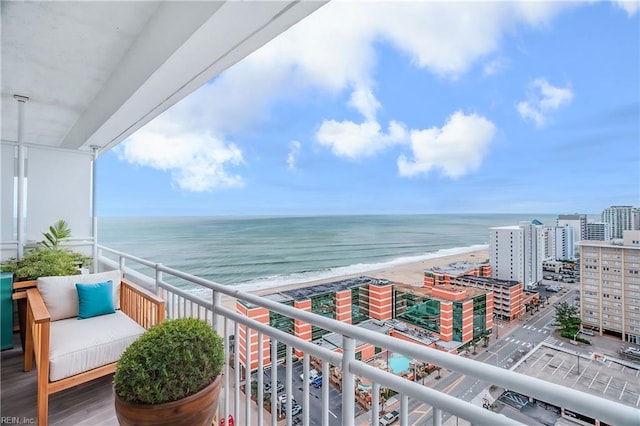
<point>509,343</point>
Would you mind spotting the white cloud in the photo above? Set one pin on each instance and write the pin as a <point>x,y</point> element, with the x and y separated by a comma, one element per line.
<point>196,162</point>
<point>363,100</point>
<point>542,99</point>
<point>456,149</point>
<point>495,66</point>
<point>292,157</point>
<point>331,50</point>
<point>630,6</point>
<point>356,140</point>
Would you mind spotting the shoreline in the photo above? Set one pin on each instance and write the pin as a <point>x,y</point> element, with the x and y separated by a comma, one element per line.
<point>411,273</point>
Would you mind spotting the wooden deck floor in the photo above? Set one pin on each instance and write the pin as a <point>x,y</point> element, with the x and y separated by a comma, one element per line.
<point>88,404</point>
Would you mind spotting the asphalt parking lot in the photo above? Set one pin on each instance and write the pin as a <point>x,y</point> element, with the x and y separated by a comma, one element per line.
<point>315,396</point>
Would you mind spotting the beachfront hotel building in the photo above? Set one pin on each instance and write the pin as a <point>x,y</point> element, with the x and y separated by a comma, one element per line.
<point>446,317</point>
<point>516,252</point>
<point>610,286</point>
<point>621,218</point>
<point>509,297</point>
<point>564,243</point>
<point>577,222</point>
<point>442,275</point>
<point>598,231</point>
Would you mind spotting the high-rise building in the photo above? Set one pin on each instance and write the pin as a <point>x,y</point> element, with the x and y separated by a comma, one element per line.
<point>598,231</point>
<point>577,222</point>
<point>610,286</point>
<point>564,243</point>
<point>516,252</point>
<point>621,219</point>
<point>549,241</point>
<point>635,218</point>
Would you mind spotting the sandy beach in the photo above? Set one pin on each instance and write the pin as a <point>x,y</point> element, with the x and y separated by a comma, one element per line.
<point>408,273</point>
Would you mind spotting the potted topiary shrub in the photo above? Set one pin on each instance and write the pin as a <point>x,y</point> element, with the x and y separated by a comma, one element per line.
<point>171,375</point>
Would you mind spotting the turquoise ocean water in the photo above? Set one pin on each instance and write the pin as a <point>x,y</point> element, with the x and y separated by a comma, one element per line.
<point>262,252</point>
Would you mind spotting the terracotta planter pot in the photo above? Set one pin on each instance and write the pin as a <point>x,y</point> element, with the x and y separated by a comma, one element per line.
<point>194,410</point>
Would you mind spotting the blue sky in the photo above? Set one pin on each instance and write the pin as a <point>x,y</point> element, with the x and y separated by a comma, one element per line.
<point>406,107</point>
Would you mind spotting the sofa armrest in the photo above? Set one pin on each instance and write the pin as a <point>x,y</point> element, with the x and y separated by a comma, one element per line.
<point>37,335</point>
<point>141,305</point>
<point>37,308</point>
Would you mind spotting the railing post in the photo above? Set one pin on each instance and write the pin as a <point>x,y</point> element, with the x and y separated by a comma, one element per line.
<point>227,358</point>
<point>305,388</point>
<point>158,279</point>
<point>260,393</point>
<point>274,381</point>
<point>326,382</point>
<point>404,410</point>
<point>214,314</point>
<point>122,261</point>
<point>375,403</point>
<point>247,376</point>
<point>437,416</point>
<point>236,368</point>
<point>348,382</point>
<point>288,387</point>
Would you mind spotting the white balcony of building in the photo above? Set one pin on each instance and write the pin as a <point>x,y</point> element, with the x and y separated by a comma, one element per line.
<point>78,78</point>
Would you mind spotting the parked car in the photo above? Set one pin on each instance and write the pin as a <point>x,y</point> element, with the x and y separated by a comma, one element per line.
<point>313,373</point>
<point>280,388</point>
<point>587,332</point>
<point>296,409</point>
<point>317,382</point>
<point>389,418</point>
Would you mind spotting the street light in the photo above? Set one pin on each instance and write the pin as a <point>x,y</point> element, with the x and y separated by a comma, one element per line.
<point>495,321</point>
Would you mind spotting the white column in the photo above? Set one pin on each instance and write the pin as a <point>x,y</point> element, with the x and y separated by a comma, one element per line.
<point>21,173</point>
<point>94,214</point>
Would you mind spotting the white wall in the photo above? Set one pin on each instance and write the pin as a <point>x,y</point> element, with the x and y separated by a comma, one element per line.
<point>58,187</point>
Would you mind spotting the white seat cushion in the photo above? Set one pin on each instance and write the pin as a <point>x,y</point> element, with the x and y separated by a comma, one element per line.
<point>82,345</point>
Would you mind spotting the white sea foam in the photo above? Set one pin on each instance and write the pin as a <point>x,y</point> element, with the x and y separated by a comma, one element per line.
<point>359,268</point>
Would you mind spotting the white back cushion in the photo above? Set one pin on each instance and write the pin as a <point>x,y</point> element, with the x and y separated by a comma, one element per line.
<point>61,297</point>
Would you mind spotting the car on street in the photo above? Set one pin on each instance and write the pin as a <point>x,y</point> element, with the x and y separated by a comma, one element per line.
<point>587,332</point>
<point>296,409</point>
<point>313,373</point>
<point>317,382</point>
<point>389,418</point>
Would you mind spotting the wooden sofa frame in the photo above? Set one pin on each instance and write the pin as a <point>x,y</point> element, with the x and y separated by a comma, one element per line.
<point>142,306</point>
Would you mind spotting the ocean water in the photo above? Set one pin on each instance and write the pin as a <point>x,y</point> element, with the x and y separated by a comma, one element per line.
<point>263,252</point>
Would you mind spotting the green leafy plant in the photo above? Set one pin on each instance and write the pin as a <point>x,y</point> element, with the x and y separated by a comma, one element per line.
<point>169,362</point>
<point>58,232</point>
<point>43,262</point>
<point>49,258</point>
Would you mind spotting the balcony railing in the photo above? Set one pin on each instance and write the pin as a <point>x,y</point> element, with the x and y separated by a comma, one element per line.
<point>205,302</point>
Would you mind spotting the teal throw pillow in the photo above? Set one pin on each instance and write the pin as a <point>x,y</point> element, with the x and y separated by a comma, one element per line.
<point>95,299</point>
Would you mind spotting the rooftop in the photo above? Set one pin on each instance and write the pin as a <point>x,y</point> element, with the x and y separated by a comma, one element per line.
<point>491,281</point>
<point>469,292</point>
<point>326,288</point>
<point>457,268</point>
<point>610,378</point>
<point>333,341</point>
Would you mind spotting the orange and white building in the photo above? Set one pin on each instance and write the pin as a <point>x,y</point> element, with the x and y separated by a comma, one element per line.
<point>446,317</point>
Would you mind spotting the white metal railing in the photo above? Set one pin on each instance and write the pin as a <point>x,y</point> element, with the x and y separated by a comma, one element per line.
<point>180,303</point>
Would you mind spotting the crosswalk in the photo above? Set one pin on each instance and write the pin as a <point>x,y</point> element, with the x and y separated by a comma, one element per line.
<point>553,341</point>
<point>539,330</point>
<point>518,342</point>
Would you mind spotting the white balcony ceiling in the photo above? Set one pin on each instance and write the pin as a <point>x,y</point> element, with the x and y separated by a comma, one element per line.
<point>95,72</point>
